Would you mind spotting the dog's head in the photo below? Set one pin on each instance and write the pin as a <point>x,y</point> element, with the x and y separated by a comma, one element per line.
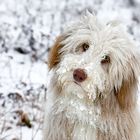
<point>92,61</point>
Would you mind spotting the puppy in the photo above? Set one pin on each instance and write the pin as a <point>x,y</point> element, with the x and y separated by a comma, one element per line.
<point>92,89</point>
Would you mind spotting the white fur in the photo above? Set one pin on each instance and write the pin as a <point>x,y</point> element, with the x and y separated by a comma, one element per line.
<point>72,111</point>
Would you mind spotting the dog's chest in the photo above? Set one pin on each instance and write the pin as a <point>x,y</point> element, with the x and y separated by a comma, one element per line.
<point>82,118</point>
<point>83,132</point>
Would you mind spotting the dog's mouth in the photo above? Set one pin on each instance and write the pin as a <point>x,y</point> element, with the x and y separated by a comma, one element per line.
<point>87,94</point>
<point>90,96</point>
<point>79,85</point>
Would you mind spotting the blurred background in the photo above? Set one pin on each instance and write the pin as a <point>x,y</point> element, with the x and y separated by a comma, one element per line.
<point>27,31</point>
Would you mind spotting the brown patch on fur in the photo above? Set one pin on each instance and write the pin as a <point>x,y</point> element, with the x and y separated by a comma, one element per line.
<point>54,56</point>
<point>126,96</point>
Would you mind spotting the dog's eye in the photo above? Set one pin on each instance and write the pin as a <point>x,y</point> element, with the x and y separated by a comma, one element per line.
<point>105,59</point>
<point>82,48</point>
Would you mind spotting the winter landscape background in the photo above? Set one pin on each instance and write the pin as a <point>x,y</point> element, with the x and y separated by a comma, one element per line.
<point>27,30</point>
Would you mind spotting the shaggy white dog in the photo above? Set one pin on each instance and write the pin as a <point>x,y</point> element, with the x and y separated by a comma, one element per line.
<point>92,93</point>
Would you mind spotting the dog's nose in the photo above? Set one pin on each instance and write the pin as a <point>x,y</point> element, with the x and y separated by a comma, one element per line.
<point>79,75</point>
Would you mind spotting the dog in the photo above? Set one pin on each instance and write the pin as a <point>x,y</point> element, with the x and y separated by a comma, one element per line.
<point>93,82</point>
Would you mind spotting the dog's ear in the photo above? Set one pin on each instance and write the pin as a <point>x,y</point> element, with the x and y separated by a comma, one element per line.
<point>55,55</point>
<point>127,94</point>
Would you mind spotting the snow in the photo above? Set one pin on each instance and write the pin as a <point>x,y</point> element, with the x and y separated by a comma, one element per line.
<point>27,31</point>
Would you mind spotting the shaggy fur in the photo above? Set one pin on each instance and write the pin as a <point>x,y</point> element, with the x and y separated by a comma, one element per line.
<point>104,105</point>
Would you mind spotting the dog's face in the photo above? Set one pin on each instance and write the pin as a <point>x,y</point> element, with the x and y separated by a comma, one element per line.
<point>92,61</point>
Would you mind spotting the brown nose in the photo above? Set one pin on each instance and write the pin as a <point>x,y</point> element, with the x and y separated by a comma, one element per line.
<point>79,75</point>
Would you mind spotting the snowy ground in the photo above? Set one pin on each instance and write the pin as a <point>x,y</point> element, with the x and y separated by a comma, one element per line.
<point>27,30</point>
